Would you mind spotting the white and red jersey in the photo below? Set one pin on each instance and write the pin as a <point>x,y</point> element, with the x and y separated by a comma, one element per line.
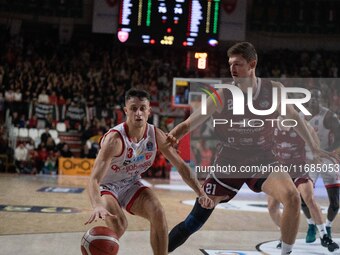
<point>324,134</point>
<point>135,158</point>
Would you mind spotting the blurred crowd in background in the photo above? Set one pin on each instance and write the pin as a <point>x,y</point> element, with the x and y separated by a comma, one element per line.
<point>82,84</point>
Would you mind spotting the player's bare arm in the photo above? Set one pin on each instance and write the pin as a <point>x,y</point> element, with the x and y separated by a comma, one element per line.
<point>111,147</point>
<point>170,153</point>
<point>195,119</point>
<point>301,127</point>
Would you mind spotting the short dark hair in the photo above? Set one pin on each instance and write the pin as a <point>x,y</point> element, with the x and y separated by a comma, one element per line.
<point>139,93</point>
<point>245,49</point>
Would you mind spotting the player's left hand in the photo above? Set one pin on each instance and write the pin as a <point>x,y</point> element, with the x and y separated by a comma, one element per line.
<point>206,202</point>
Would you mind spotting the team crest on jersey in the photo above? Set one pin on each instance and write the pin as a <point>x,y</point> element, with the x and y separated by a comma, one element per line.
<point>149,146</point>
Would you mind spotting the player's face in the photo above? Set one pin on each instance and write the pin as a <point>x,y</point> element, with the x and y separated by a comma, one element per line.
<point>240,68</point>
<point>137,111</point>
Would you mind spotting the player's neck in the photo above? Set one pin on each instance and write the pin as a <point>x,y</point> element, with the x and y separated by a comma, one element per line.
<point>250,82</point>
<point>134,133</point>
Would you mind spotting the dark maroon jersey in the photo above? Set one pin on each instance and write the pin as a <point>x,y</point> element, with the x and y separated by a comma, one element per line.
<point>240,141</point>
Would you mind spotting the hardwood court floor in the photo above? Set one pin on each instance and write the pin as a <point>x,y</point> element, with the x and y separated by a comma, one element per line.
<point>60,233</point>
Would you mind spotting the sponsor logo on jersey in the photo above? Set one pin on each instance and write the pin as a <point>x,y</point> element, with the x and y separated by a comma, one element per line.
<point>148,155</point>
<point>132,167</point>
<point>135,160</point>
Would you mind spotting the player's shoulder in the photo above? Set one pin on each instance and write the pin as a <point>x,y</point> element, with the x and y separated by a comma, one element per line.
<point>112,136</point>
<point>159,133</point>
<point>276,84</point>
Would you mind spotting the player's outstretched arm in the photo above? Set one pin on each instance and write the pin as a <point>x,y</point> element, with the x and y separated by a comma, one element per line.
<point>111,147</point>
<point>302,129</point>
<point>183,168</point>
<point>195,119</point>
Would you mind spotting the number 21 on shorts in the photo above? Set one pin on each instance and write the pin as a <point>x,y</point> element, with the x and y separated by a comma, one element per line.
<point>210,188</point>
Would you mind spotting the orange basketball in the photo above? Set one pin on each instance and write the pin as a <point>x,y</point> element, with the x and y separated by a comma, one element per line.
<point>99,241</point>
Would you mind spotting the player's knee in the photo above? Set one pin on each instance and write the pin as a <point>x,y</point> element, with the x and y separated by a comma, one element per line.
<point>334,205</point>
<point>273,207</point>
<point>291,198</point>
<point>120,225</point>
<point>308,201</point>
<point>158,216</point>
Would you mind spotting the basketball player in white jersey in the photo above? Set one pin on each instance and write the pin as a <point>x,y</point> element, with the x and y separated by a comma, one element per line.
<point>327,128</point>
<point>127,151</point>
<point>290,150</point>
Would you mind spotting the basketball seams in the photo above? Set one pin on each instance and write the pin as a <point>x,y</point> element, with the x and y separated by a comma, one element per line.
<point>108,238</point>
<point>91,241</point>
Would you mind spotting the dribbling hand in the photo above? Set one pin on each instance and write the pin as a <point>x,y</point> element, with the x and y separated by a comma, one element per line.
<point>99,213</point>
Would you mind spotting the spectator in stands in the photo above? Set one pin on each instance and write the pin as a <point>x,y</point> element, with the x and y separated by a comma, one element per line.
<point>33,121</point>
<point>75,113</point>
<point>9,94</point>
<point>50,165</point>
<point>4,148</point>
<point>22,121</point>
<point>21,157</point>
<point>43,97</point>
<point>41,156</point>
<point>15,119</point>
<point>50,122</point>
<point>50,144</point>
<point>17,95</point>
<point>44,136</point>
<point>65,151</point>
<point>53,99</point>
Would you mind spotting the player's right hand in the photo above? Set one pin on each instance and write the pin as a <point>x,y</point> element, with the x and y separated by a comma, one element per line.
<point>99,213</point>
<point>206,202</point>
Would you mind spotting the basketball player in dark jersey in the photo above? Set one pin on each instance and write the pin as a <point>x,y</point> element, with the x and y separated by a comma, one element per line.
<point>244,146</point>
<point>290,150</point>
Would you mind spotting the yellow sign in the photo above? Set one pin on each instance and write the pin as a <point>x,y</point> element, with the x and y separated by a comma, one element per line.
<point>75,166</point>
<point>202,59</point>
